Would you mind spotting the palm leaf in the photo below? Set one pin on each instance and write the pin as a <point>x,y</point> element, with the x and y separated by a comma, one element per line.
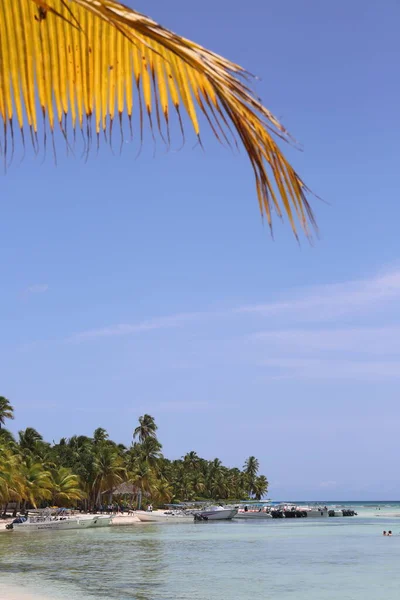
<point>97,60</point>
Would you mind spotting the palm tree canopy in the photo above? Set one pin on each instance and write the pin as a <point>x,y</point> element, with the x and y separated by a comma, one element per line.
<point>251,467</point>
<point>28,438</point>
<point>6,410</point>
<point>147,428</point>
<point>85,58</point>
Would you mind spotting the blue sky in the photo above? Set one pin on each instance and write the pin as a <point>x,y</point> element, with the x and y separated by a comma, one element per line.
<point>151,285</point>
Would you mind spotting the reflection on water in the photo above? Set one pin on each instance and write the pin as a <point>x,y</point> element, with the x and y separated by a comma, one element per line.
<point>111,563</point>
<point>303,560</point>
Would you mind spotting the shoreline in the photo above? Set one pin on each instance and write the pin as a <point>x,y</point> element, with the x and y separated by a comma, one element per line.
<point>11,592</point>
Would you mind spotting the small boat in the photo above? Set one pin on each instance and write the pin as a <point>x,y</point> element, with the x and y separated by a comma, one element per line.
<point>167,516</point>
<point>317,512</point>
<point>291,511</point>
<point>215,513</point>
<point>60,521</point>
<point>27,524</point>
<point>95,520</point>
<point>101,521</point>
<point>254,510</point>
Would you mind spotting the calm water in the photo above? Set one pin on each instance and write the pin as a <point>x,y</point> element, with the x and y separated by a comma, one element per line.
<point>329,559</point>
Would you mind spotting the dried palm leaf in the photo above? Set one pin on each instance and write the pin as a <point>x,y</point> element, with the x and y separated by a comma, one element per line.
<point>82,59</point>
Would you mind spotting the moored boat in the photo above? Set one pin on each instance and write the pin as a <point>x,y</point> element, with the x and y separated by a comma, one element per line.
<point>23,524</point>
<point>254,510</point>
<point>215,513</point>
<point>101,521</point>
<point>292,511</point>
<point>167,516</point>
<point>60,521</point>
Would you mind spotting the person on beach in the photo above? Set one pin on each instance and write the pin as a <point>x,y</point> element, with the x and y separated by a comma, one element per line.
<point>389,533</point>
<point>384,533</point>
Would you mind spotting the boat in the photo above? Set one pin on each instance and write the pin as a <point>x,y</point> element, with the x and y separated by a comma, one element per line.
<point>215,513</point>
<point>61,520</point>
<point>254,510</point>
<point>101,521</point>
<point>292,511</point>
<point>167,516</point>
<point>96,519</point>
<point>49,523</point>
<point>317,512</point>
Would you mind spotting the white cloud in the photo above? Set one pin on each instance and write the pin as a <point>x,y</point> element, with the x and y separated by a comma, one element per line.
<point>317,368</point>
<point>131,329</point>
<point>37,288</point>
<point>298,351</point>
<point>333,300</point>
<point>313,304</point>
<point>367,340</point>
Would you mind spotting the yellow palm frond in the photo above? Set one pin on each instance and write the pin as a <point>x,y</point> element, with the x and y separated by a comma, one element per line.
<point>95,60</point>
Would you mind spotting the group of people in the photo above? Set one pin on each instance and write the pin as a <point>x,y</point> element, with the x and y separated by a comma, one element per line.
<point>387,533</point>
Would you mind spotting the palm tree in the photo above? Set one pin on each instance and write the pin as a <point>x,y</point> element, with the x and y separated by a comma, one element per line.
<point>260,487</point>
<point>251,467</point>
<point>192,460</point>
<point>150,450</point>
<point>11,480</point>
<point>100,435</point>
<point>37,482</point>
<point>65,487</point>
<point>146,428</point>
<point>83,59</point>
<point>109,471</point>
<point>6,410</point>
<point>31,443</point>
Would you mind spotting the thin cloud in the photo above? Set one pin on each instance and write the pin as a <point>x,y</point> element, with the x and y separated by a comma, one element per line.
<point>37,288</point>
<point>320,369</point>
<point>333,300</point>
<point>315,304</point>
<point>124,329</point>
<point>364,340</point>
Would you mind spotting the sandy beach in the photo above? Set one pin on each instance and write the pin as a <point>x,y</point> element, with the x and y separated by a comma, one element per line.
<point>8,592</point>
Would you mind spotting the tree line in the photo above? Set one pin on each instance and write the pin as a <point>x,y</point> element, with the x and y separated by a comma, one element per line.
<point>84,471</point>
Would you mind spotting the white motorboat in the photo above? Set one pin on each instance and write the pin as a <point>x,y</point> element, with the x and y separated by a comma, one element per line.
<point>96,520</point>
<point>215,513</point>
<point>46,523</point>
<point>316,512</point>
<point>61,520</point>
<point>167,516</point>
<point>253,514</point>
<point>293,511</point>
<point>254,510</point>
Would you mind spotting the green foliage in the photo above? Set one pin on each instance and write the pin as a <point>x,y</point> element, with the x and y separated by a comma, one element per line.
<point>6,410</point>
<point>87,470</point>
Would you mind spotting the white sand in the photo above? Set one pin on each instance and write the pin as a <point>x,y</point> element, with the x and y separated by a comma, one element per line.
<point>8,592</point>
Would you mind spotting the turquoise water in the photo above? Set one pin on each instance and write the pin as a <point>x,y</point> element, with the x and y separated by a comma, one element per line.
<point>329,559</point>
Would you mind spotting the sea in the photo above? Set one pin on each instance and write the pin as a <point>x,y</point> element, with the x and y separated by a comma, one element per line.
<point>339,558</point>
